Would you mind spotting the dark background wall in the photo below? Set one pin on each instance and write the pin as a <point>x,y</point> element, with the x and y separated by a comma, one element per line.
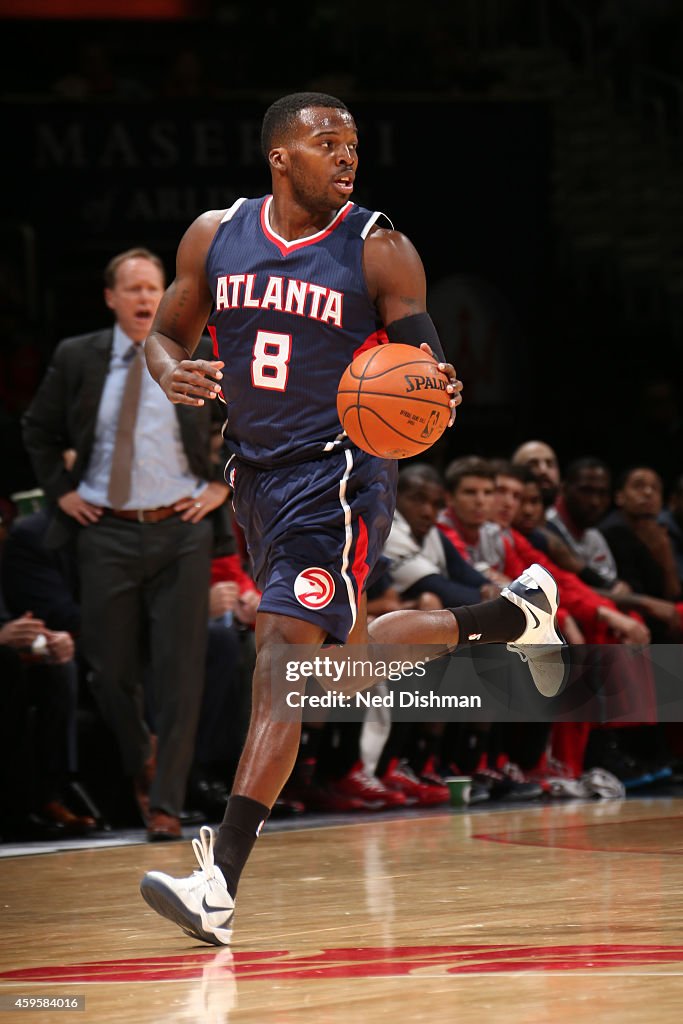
<point>517,144</point>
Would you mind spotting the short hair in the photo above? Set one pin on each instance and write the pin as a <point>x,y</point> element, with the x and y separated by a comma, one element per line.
<point>137,253</point>
<point>467,465</point>
<point>504,467</point>
<point>578,466</point>
<point>626,474</point>
<point>280,116</point>
<point>418,473</point>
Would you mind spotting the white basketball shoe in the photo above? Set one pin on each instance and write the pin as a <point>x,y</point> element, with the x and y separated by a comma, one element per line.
<point>201,904</point>
<point>541,644</point>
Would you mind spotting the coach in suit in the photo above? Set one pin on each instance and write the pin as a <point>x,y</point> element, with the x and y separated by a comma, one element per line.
<point>135,502</point>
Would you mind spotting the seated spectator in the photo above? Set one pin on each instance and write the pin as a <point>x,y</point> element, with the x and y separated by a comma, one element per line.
<point>573,509</point>
<point>422,559</point>
<point>624,679</point>
<point>518,509</point>
<point>37,671</point>
<point>36,577</point>
<point>639,542</point>
<point>40,672</point>
<point>541,459</point>
<point>466,518</point>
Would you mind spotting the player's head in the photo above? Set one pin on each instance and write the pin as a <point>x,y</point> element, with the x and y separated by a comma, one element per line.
<point>587,491</point>
<point>133,287</point>
<point>541,460</point>
<point>419,497</point>
<point>310,141</point>
<point>469,489</point>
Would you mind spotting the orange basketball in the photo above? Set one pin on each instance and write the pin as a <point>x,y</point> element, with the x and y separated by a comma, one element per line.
<point>392,401</point>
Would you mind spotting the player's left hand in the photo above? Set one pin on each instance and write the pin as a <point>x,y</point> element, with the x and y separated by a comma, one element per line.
<point>454,387</point>
<point>194,509</point>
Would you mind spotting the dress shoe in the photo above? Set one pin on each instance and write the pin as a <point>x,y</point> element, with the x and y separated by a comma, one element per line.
<point>162,827</point>
<point>73,824</point>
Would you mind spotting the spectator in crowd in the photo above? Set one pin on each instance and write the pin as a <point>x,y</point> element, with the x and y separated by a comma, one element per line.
<point>38,671</point>
<point>422,559</point>
<point>542,460</point>
<point>39,578</point>
<point>641,546</point>
<point>582,504</point>
<point>136,503</point>
<point>518,509</point>
<point>32,577</point>
<point>623,678</point>
<point>466,518</point>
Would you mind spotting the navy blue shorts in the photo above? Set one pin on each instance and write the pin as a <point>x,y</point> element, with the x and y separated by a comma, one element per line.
<point>314,531</point>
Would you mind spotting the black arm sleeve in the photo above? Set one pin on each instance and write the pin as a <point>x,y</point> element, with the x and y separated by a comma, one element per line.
<point>416,330</point>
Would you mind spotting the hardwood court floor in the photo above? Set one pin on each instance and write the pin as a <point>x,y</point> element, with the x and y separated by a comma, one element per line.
<point>550,913</point>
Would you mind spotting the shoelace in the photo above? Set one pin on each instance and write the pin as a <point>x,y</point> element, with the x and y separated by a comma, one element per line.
<point>203,851</point>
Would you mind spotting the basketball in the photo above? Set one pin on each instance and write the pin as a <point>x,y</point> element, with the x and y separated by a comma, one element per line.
<point>392,401</point>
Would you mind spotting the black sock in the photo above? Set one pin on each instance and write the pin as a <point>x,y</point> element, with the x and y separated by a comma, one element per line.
<point>491,622</point>
<point>239,830</point>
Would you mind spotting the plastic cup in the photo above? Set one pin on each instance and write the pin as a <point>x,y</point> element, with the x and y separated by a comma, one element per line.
<point>459,787</point>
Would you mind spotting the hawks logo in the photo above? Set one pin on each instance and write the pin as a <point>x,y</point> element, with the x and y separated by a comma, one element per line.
<point>314,588</point>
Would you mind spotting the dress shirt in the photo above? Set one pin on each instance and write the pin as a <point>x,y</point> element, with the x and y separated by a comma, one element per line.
<point>161,473</point>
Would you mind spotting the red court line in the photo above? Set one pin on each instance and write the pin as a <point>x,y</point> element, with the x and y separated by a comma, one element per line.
<point>346,962</point>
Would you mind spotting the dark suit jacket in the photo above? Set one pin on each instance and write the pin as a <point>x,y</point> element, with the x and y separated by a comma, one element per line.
<point>63,414</point>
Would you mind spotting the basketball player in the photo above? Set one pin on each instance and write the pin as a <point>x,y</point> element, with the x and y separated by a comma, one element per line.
<point>293,285</point>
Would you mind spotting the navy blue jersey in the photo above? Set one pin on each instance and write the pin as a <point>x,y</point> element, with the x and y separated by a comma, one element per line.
<point>287,319</point>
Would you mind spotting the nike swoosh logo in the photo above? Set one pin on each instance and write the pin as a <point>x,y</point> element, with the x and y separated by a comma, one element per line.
<point>213,910</point>
<point>536,620</point>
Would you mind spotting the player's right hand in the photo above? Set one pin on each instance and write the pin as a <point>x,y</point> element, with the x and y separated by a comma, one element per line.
<point>193,381</point>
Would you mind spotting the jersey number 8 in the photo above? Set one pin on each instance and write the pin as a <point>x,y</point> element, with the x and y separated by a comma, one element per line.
<point>270,364</point>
